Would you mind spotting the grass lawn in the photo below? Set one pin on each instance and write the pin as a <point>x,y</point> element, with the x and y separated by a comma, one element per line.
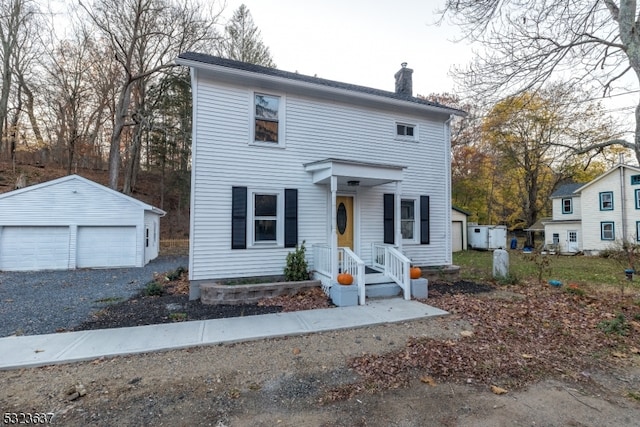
<point>584,270</point>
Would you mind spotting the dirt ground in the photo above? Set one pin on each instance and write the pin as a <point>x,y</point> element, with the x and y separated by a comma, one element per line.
<point>285,382</point>
<point>293,381</point>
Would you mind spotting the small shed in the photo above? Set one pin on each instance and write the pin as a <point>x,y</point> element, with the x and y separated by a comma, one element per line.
<point>487,237</point>
<point>458,229</point>
<point>73,222</point>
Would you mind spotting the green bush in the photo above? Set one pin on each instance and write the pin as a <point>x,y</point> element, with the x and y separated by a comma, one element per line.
<point>153,289</point>
<point>296,268</point>
<point>618,325</point>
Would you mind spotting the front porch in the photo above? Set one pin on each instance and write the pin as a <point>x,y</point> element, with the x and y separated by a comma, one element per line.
<point>387,276</point>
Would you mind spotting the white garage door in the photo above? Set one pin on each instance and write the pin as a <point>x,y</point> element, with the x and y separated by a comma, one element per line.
<point>456,236</point>
<point>34,248</point>
<point>106,247</point>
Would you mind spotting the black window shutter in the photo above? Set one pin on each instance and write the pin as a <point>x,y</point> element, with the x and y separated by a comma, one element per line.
<point>424,219</point>
<point>389,210</point>
<point>290,218</point>
<point>239,218</point>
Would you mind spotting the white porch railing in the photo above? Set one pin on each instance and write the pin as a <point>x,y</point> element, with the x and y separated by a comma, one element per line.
<point>352,264</point>
<point>322,265</point>
<point>395,265</point>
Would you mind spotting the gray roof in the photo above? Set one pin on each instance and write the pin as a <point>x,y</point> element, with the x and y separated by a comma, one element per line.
<point>566,190</point>
<point>229,63</point>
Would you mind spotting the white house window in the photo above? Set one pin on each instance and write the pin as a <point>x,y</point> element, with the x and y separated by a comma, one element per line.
<point>406,131</point>
<point>635,179</point>
<point>637,199</point>
<point>408,219</point>
<point>567,206</point>
<point>556,238</point>
<point>607,231</point>
<point>638,231</point>
<point>606,201</point>
<point>267,118</point>
<point>266,212</point>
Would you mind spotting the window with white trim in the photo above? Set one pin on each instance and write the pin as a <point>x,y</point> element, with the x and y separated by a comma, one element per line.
<point>406,131</point>
<point>567,206</point>
<point>408,219</point>
<point>267,118</point>
<point>637,193</point>
<point>265,220</point>
<point>607,230</point>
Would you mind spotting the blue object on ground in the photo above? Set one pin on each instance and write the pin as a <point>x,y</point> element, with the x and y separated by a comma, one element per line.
<point>514,243</point>
<point>555,283</point>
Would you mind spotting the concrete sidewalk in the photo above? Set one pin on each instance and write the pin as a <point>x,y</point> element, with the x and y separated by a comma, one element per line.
<point>39,350</point>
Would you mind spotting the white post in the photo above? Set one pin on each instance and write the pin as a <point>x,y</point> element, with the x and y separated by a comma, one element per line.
<point>334,231</point>
<point>398,201</point>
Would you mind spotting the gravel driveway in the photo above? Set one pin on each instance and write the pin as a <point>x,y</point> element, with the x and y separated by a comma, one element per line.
<point>44,302</point>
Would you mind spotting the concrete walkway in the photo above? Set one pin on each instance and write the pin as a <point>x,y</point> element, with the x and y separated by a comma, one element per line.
<point>40,350</point>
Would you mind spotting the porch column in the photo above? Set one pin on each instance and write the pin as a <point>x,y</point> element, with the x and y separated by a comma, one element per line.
<point>396,226</point>
<point>334,231</point>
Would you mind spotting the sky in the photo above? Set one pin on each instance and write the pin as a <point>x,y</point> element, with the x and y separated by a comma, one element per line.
<point>359,41</point>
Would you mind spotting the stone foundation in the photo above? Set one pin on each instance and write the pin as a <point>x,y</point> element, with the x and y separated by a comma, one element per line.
<point>216,293</point>
<point>447,273</point>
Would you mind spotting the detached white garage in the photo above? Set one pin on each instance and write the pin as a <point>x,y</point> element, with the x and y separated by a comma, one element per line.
<point>72,222</point>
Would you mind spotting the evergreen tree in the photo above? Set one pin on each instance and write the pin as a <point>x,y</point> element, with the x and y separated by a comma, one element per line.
<point>243,42</point>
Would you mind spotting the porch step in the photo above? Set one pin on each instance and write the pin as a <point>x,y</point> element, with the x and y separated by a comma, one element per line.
<point>382,290</point>
<point>375,278</point>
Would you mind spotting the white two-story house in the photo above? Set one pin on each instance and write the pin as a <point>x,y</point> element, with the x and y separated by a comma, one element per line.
<point>361,175</point>
<point>597,215</point>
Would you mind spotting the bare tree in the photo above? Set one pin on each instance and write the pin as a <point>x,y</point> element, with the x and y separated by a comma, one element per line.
<point>145,37</point>
<point>591,43</point>
<point>16,21</point>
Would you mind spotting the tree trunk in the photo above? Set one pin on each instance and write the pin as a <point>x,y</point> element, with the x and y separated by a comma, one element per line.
<point>118,126</point>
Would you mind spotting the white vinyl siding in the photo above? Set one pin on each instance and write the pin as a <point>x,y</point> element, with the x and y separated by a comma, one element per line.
<point>315,130</point>
<point>560,215</point>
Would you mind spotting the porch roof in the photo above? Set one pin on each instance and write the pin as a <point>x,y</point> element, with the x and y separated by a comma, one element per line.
<point>353,173</point>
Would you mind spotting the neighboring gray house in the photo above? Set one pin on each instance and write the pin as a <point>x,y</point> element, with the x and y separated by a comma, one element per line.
<point>597,215</point>
<point>72,222</point>
<point>361,175</point>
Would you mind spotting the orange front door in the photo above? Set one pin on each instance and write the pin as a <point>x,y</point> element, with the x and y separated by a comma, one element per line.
<point>345,221</point>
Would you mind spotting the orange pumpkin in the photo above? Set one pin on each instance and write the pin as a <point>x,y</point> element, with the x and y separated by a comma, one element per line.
<point>345,279</point>
<point>415,272</point>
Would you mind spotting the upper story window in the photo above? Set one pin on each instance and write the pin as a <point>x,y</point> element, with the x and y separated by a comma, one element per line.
<point>635,179</point>
<point>606,201</point>
<point>637,199</point>
<point>267,118</point>
<point>408,219</point>
<point>567,206</point>
<point>406,131</point>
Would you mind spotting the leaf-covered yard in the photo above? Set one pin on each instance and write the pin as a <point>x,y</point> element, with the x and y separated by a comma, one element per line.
<point>518,335</point>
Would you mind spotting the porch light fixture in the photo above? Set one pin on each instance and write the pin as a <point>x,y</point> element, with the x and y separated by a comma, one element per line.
<point>353,183</point>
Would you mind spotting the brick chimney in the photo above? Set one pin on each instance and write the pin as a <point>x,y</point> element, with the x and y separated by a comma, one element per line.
<point>404,84</point>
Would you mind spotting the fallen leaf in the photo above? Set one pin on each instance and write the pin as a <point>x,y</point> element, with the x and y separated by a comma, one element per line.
<point>428,380</point>
<point>466,333</point>
<point>527,356</point>
<point>498,390</point>
<point>618,355</point>
<point>634,350</point>
<point>296,351</point>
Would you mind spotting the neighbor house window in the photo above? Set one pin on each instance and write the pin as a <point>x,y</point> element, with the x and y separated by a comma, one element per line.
<point>637,199</point>
<point>638,231</point>
<point>607,231</point>
<point>567,206</point>
<point>408,219</point>
<point>405,131</point>
<point>267,118</point>
<point>606,201</point>
<point>635,179</point>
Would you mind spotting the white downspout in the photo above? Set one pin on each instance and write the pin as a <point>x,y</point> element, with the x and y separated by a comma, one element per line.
<point>623,202</point>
